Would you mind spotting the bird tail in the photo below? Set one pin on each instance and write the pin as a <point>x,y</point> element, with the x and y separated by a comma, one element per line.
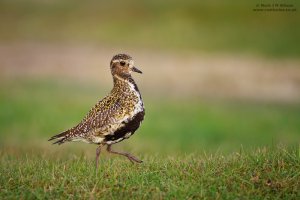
<point>60,138</point>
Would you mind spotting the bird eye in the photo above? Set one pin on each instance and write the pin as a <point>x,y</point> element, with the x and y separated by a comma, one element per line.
<point>122,63</point>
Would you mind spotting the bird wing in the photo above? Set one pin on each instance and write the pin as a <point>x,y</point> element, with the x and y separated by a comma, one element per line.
<point>102,118</point>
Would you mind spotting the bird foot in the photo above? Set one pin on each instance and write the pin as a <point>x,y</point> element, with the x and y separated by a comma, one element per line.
<point>133,159</point>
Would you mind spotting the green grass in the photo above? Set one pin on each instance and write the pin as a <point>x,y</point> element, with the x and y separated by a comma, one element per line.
<point>204,26</point>
<point>263,174</point>
<point>191,148</point>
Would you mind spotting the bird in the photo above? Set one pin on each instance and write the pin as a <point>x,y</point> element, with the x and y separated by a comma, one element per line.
<point>114,118</point>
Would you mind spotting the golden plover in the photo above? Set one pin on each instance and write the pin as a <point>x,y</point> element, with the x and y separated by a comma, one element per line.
<point>114,118</point>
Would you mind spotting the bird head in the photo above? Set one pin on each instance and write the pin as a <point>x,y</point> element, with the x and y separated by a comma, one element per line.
<point>123,65</point>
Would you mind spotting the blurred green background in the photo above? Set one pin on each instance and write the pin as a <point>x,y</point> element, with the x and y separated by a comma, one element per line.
<point>207,26</point>
<point>217,75</point>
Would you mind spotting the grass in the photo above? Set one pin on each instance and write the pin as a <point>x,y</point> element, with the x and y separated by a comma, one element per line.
<point>204,26</point>
<point>191,148</point>
<point>262,174</point>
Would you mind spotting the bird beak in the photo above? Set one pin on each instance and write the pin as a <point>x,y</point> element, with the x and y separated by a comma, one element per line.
<point>136,70</point>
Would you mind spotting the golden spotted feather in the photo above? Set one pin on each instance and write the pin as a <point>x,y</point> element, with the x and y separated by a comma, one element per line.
<point>107,116</point>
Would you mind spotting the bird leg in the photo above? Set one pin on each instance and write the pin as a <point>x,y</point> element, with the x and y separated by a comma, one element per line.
<point>98,151</point>
<point>130,157</point>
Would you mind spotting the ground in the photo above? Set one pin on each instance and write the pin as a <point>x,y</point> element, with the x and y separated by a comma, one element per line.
<point>268,173</point>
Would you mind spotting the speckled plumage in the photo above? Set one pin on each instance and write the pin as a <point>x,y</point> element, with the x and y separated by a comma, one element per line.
<point>114,118</point>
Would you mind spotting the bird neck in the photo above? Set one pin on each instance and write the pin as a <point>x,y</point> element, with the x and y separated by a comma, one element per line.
<point>124,81</point>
